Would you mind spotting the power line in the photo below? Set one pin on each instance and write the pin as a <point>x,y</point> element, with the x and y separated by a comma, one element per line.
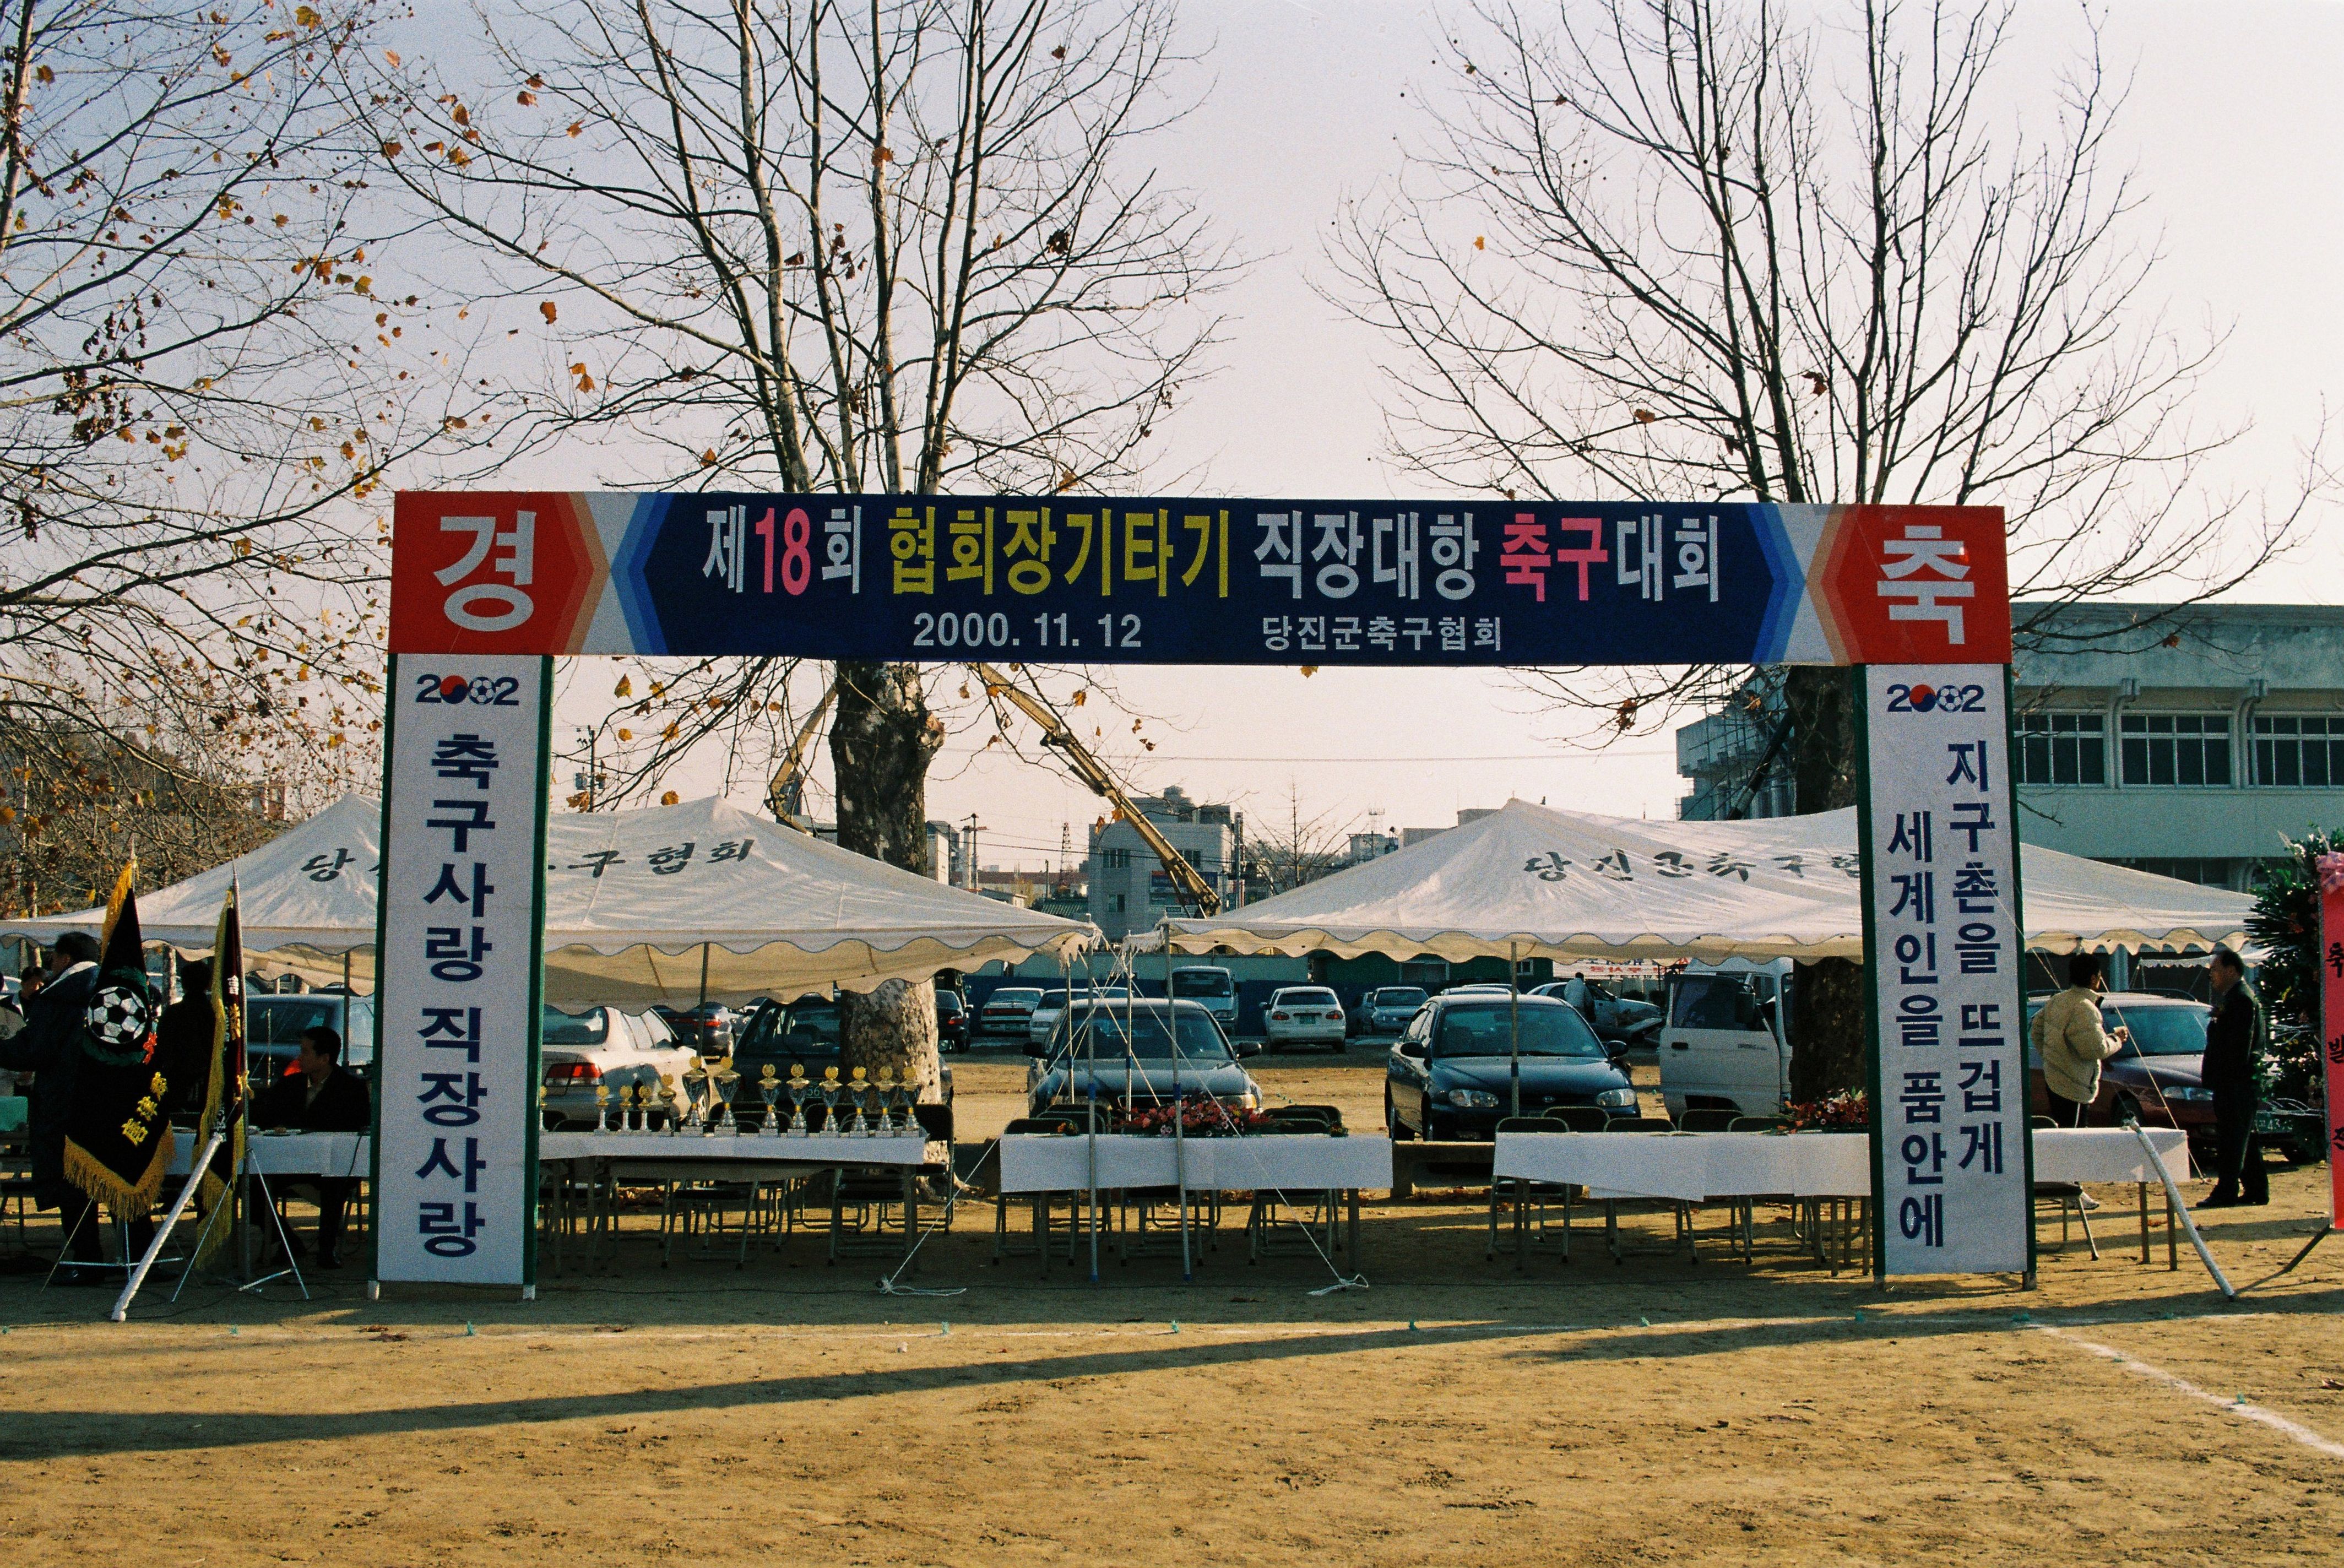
<point>1155,757</point>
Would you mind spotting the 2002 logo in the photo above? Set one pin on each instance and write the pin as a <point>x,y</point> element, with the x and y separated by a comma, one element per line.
<point>488,692</point>
<point>1920,699</point>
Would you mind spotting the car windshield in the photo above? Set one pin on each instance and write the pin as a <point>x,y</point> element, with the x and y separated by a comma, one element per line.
<point>1049,999</point>
<point>1400,997</point>
<point>2172,1031</point>
<point>1110,1033</point>
<point>1488,1031</point>
<point>808,1028</point>
<point>1716,1002</point>
<point>280,1020</point>
<point>1313,997</point>
<point>1202,983</point>
<point>1017,997</point>
<point>588,1029</point>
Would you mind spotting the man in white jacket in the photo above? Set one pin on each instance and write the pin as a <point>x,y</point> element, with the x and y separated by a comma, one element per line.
<point>2073,1041</point>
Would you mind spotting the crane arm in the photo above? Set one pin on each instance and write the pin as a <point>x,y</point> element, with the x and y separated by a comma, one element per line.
<point>1194,892</point>
<point>782,795</point>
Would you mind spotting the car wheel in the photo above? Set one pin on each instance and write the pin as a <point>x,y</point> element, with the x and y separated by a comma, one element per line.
<point>1392,1124</point>
<point>2127,1108</point>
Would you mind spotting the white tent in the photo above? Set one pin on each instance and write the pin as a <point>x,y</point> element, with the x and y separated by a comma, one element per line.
<point>635,902</point>
<point>1570,884</point>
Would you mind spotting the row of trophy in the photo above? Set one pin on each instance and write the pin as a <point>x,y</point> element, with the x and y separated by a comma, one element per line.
<point>882,1106</point>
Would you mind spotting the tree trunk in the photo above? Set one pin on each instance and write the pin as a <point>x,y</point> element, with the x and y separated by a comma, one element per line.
<point>881,740</point>
<point>1826,1018</point>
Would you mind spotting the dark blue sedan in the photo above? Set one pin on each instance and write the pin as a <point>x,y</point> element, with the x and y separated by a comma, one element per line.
<point>1451,1074</point>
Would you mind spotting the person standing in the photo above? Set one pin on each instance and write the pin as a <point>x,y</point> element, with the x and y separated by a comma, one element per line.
<point>2232,1071</point>
<point>49,1048</point>
<point>2074,1040</point>
<point>183,1045</point>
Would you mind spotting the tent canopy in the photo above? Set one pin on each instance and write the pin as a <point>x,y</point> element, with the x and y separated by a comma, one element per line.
<point>1572,884</point>
<point>632,897</point>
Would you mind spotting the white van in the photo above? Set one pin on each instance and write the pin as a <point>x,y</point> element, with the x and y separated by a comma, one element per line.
<point>1723,1046</point>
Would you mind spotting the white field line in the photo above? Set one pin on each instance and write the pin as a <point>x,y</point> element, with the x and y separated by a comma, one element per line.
<point>2239,1407</point>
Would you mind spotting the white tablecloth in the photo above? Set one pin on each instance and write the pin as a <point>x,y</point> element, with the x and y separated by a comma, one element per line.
<point>1692,1167</point>
<point>2107,1153</point>
<point>1303,1162</point>
<point>285,1154</point>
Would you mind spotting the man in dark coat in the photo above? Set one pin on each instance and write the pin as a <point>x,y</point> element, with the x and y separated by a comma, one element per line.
<point>319,1098</point>
<point>183,1045</point>
<point>2233,1064</point>
<point>49,1047</point>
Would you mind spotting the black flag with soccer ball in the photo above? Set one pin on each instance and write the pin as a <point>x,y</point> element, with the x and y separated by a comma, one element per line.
<point>224,1094</point>
<point>117,1139</point>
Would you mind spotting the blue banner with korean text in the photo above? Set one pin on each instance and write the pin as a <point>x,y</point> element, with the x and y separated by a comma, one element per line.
<point>1945,944</point>
<point>1161,579</point>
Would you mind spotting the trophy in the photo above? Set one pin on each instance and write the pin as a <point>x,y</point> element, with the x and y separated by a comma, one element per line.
<point>906,1095</point>
<point>667,1098</point>
<point>856,1087</point>
<point>639,1120</point>
<point>727,1084</point>
<point>602,1107</point>
<point>831,1089</point>
<point>883,1095</point>
<point>696,1094</point>
<point>769,1090</point>
<point>798,1088</point>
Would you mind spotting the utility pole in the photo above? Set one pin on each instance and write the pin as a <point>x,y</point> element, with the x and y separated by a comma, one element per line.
<point>590,781</point>
<point>968,852</point>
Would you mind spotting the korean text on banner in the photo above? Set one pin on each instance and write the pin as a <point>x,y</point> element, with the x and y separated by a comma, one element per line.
<point>457,1005</point>
<point>2331,1021</point>
<point>1949,1091</point>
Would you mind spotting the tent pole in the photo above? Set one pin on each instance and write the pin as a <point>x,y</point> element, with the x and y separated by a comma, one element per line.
<point>1179,1104</point>
<point>703,979</point>
<point>1514,1023</point>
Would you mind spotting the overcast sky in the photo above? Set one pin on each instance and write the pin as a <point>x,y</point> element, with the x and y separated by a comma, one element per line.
<point>2236,129</point>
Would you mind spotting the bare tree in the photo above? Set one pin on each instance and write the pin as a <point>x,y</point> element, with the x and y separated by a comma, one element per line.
<point>1300,849</point>
<point>1726,254</point>
<point>198,378</point>
<point>898,246</point>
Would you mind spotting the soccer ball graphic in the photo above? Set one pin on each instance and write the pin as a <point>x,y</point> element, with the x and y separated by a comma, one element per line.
<point>120,1017</point>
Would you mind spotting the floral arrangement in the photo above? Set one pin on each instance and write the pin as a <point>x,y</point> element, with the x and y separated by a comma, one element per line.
<point>1849,1111</point>
<point>1197,1118</point>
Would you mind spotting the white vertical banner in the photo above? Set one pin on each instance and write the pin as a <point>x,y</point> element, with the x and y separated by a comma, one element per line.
<point>458,951</point>
<point>1944,945</point>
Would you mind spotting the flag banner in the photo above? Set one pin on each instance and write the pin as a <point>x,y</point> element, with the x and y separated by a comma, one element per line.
<point>1943,950</point>
<point>1189,580</point>
<point>224,1095</point>
<point>457,993</point>
<point>118,1139</point>
<point>2331,1021</point>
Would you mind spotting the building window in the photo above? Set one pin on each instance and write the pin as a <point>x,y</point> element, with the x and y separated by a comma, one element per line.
<point>1115,903</point>
<point>1116,859</point>
<point>2300,753</point>
<point>2177,749</point>
<point>2063,749</point>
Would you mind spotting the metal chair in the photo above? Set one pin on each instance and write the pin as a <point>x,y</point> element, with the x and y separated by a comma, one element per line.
<point>1703,1119</point>
<point>1679,1209</point>
<point>1529,1200</point>
<point>2068,1195</point>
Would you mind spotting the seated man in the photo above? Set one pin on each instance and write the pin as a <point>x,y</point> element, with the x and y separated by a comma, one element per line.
<point>319,1098</point>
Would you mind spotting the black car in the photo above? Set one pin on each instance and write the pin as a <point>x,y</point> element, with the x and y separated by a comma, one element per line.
<point>807,1033</point>
<point>952,1021</point>
<point>1127,1052</point>
<point>1451,1075</point>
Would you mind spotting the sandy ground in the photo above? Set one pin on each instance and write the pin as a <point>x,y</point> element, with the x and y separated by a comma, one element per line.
<point>1457,1412</point>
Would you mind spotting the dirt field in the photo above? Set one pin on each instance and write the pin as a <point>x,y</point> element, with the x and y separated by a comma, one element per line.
<point>1455,1412</point>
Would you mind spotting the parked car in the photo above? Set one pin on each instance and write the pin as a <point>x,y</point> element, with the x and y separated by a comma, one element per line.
<point>1304,1015</point>
<point>1616,1018</point>
<point>807,1033</point>
<point>1211,988</point>
<point>1008,1010</point>
<point>1136,1053</point>
<point>1039,1022</point>
<point>603,1048</point>
<point>1385,1009</point>
<point>2156,1078</point>
<point>952,1020</point>
<point>1450,1075</point>
<point>1722,1043</point>
<point>273,1026</point>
